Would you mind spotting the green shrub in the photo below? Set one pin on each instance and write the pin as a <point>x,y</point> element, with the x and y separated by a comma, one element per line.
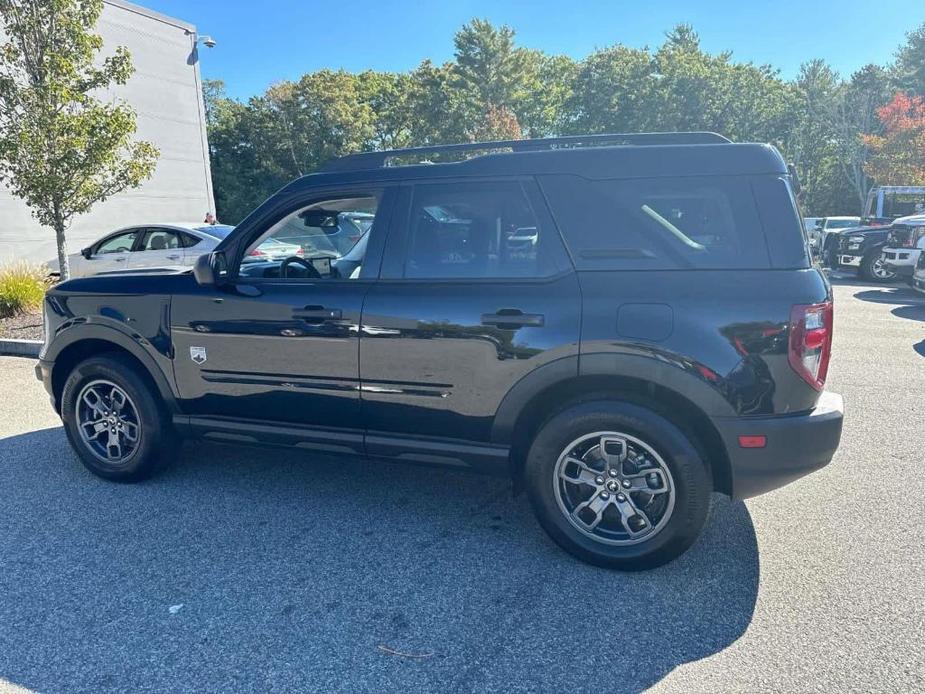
<point>22,288</point>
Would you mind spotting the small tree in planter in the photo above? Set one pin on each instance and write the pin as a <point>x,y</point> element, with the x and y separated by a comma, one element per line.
<point>61,149</point>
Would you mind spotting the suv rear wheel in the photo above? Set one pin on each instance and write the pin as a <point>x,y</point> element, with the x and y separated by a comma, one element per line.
<point>114,422</point>
<point>617,485</point>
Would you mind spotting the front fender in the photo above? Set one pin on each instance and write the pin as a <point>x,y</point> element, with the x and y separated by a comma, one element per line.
<point>152,350</point>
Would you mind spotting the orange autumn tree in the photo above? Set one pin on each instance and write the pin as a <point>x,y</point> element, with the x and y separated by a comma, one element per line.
<point>897,157</point>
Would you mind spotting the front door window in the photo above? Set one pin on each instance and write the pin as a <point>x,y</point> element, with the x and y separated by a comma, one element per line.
<point>325,239</point>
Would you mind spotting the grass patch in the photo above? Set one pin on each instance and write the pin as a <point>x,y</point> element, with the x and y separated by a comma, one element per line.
<point>22,288</point>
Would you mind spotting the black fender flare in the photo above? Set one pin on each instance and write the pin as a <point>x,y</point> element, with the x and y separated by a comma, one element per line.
<point>133,343</point>
<point>669,374</point>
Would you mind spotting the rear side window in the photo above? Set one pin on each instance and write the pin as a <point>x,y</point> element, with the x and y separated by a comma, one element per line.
<point>479,230</point>
<point>658,223</point>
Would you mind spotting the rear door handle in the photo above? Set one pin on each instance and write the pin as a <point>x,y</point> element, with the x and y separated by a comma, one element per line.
<point>513,318</point>
<point>317,314</point>
<point>173,257</point>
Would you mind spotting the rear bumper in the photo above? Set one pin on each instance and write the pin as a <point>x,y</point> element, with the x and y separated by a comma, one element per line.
<point>796,446</point>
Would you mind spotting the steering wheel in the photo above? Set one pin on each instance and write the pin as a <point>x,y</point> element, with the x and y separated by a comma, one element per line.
<point>284,267</point>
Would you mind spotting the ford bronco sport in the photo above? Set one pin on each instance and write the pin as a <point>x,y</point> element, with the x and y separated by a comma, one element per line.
<point>622,323</point>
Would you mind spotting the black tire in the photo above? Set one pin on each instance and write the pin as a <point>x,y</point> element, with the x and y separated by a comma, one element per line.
<point>156,441</point>
<point>830,255</point>
<point>688,471</point>
<point>869,269</point>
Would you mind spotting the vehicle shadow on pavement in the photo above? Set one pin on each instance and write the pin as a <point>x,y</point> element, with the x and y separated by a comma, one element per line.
<point>909,303</point>
<point>892,295</point>
<point>246,569</point>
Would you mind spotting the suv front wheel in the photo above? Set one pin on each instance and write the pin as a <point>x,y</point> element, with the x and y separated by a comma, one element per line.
<point>617,485</point>
<point>114,422</point>
<point>873,267</point>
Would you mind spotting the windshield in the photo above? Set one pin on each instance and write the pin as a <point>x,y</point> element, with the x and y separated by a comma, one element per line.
<point>842,223</point>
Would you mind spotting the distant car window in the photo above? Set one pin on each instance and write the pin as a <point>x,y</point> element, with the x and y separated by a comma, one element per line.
<point>842,223</point>
<point>119,243</point>
<point>188,240</point>
<point>660,223</point>
<point>478,230</point>
<point>160,240</point>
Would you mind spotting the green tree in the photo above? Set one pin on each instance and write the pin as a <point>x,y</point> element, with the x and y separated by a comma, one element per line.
<point>439,112</point>
<point>909,69</point>
<point>61,149</point>
<point>612,92</point>
<point>542,108</point>
<point>810,146</point>
<point>242,152</point>
<point>319,117</point>
<point>850,115</point>
<point>490,68</point>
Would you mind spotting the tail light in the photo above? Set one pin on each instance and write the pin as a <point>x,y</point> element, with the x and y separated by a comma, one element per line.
<point>811,342</point>
<point>257,253</point>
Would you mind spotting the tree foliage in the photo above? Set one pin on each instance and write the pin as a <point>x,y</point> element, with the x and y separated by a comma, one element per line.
<point>496,89</point>
<point>62,150</point>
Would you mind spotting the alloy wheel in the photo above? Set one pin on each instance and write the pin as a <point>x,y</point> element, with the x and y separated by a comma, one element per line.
<point>108,422</point>
<point>614,488</point>
<point>879,270</point>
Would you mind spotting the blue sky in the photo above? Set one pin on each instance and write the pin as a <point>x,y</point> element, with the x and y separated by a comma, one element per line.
<point>261,42</point>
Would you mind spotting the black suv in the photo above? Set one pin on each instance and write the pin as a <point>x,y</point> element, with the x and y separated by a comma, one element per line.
<point>621,323</point>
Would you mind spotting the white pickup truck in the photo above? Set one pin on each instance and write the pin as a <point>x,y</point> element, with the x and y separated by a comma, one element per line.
<point>905,245</point>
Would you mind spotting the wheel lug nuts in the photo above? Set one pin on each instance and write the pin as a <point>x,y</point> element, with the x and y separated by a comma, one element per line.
<point>621,498</point>
<point>612,472</point>
<point>605,495</point>
<point>627,484</point>
<point>599,480</point>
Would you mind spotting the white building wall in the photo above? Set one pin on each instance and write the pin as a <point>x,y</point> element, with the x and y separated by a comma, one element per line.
<point>166,94</point>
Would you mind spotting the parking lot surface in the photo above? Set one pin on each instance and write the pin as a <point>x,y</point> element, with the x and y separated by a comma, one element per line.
<point>248,570</point>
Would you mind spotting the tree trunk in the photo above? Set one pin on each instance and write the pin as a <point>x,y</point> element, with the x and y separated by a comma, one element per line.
<point>62,252</point>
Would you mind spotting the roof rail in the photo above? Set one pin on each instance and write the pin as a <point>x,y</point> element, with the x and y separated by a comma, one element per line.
<point>379,160</point>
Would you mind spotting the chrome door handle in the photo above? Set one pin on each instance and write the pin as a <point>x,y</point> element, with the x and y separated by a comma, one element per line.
<point>173,257</point>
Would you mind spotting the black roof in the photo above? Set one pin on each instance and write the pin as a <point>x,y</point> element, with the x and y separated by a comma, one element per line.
<point>637,155</point>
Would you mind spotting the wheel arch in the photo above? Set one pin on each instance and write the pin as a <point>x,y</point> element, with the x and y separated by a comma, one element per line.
<point>532,402</point>
<point>90,341</point>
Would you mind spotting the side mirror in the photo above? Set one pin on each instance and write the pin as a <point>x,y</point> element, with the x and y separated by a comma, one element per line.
<point>86,252</point>
<point>211,269</point>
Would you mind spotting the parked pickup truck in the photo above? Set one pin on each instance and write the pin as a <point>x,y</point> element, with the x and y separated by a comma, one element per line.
<point>904,246</point>
<point>862,249</point>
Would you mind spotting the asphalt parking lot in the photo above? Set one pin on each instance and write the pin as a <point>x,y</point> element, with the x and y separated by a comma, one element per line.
<point>248,570</point>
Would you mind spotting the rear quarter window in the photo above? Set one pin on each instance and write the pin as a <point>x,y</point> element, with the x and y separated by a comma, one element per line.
<point>659,223</point>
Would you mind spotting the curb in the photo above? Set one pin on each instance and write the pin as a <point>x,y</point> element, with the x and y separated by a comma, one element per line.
<point>20,348</point>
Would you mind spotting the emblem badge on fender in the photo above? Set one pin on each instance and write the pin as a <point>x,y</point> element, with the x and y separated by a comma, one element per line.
<point>198,354</point>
